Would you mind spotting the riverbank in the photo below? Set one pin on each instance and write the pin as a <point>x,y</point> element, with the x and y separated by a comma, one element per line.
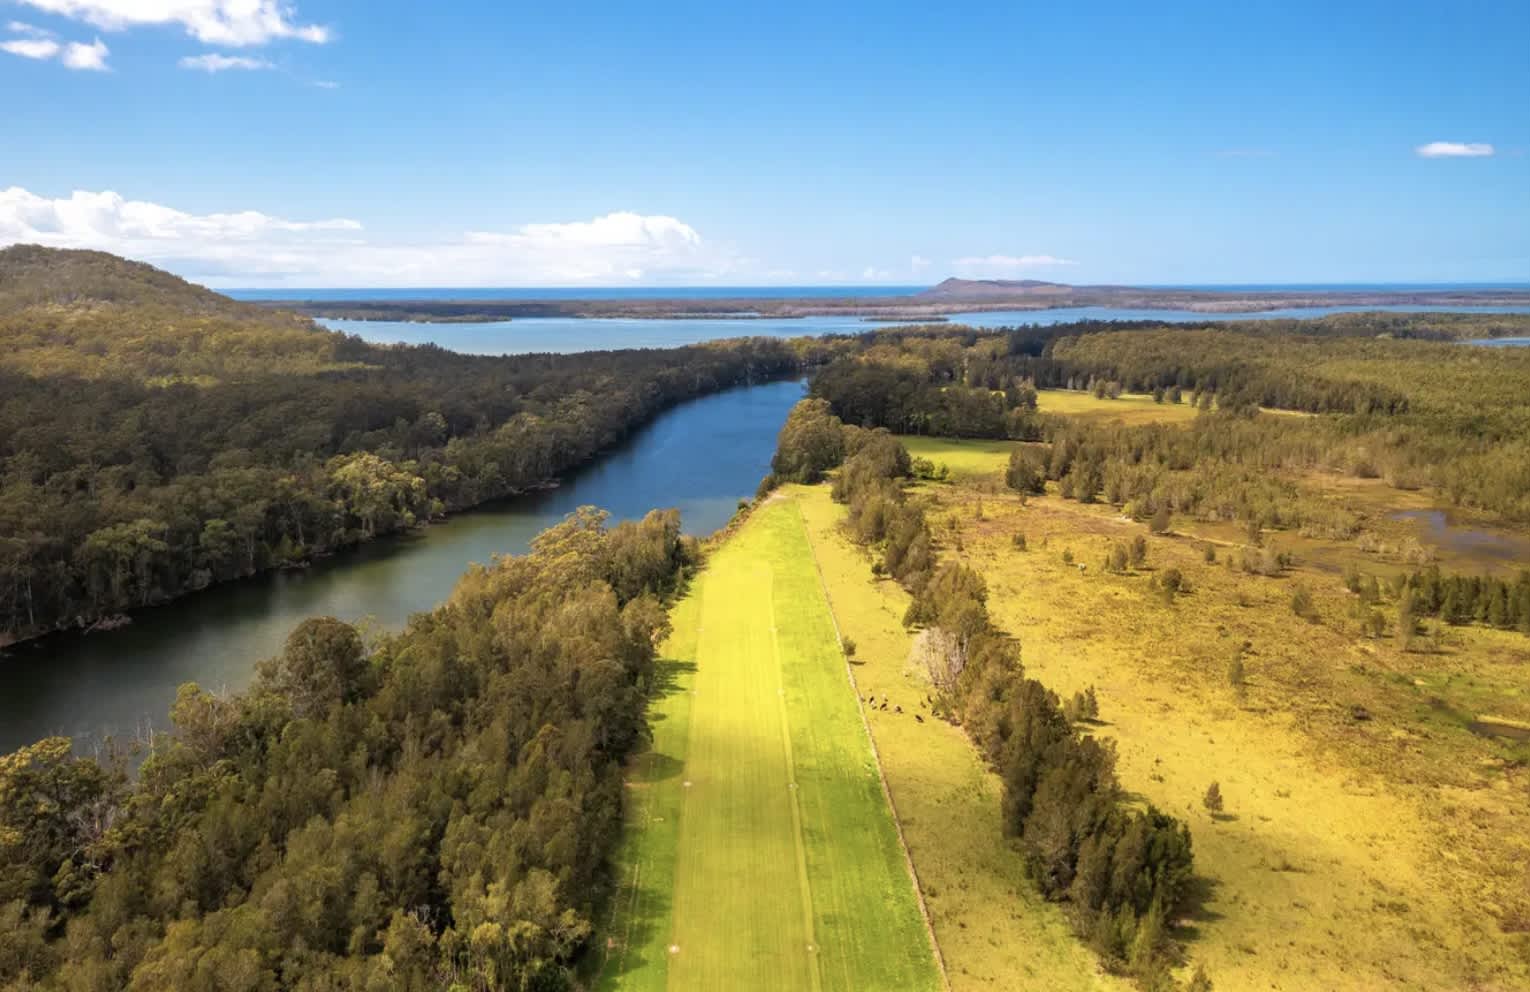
<point>700,456</point>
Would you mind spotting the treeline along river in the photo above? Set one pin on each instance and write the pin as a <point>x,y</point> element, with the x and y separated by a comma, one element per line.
<point>701,457</point>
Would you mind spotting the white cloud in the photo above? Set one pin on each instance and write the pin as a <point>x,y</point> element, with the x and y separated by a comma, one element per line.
<point>919,263</point>
<point>1002,266</point>
<point>217,62</point>
<point>252,248</point>
<point>1454,149</point>
<point>107,220</point>
<point>81,56</point>
<point>873,274</point>
<point>31,48</point>
<point>216,22</point>
<point>40,44</point>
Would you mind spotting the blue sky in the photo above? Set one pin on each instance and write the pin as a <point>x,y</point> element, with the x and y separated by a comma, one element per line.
<point>562,144</point>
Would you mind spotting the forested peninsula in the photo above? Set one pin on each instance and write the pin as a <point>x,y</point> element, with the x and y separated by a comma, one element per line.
<point>953,296</point>
<point>157,437</point>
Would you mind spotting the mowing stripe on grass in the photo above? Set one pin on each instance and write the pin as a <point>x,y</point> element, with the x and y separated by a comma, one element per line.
<point>773,887</point>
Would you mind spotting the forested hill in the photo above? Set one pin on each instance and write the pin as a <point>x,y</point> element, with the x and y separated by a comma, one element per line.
<point>32,275</point>
<point>156,437</point>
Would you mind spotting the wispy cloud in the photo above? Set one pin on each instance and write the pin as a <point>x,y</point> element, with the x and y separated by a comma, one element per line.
<point>1454,149</point>
<point>217,62</point>
<point>32,48</point>
<point>1000,266</point>
<point>250,247</point>
<point>42,46</point>
<point>234,23</point>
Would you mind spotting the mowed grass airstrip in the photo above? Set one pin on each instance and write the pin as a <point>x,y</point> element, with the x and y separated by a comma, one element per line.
<point>760,852</point>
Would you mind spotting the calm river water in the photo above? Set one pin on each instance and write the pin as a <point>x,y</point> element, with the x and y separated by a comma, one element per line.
<point>701,457</point>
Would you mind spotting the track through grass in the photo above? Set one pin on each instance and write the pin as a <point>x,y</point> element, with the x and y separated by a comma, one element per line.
<point>760,852</point>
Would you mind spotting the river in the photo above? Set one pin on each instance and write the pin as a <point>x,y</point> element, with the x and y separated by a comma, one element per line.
<point>701,457</point>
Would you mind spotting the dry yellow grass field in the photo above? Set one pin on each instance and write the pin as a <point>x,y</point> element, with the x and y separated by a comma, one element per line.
<point>1383,853</point>
<point>994,931</point>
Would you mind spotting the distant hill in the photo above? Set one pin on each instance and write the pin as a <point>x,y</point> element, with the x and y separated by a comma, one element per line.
<point>97,316</point>
<point>979,289</point>
<point>31,275</point>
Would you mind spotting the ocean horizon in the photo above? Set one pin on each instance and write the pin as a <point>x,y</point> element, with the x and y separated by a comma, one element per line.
<point>341,294</point>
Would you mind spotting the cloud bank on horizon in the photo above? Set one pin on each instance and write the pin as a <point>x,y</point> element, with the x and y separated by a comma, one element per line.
<point>248,248</point>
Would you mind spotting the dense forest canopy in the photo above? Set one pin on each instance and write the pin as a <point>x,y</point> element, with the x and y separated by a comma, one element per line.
<point>156,437</point>
<point>433,811</point>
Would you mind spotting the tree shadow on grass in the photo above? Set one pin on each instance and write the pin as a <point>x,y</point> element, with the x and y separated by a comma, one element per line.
<point>666,676</point>
<point>645,922</point>
<point>1195,912</point>
<point>653,766</point>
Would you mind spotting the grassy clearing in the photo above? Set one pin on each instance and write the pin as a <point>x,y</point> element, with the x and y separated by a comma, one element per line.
<point>993,930</point>
<point>967,459</point>
<point>1354,854</point>
<point>1128,408</point>
<point>760,853</point>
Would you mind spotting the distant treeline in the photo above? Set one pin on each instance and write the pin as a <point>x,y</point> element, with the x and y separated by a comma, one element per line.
<point>1124,872</point>
<point>1462,599</point>
<point>1414,412</point>
<point>435,812</point>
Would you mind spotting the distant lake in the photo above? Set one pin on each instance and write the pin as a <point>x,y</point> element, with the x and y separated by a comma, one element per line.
<point>570,334</point>
<point>1502,342</point>
<point>700,457</point>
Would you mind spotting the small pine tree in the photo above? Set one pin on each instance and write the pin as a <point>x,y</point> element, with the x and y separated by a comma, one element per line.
<point>1161,520</point>
<point>1067,557</point>
<point>849,648</point>
<point>1200,981</point>
<point>1407,622</point>
<point>1236,674</point>
<point>1210,554</point>
<point>1139,551</point>
<point>1301,604</point>
<point>1213,799</point>
<point>1018,541</point>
